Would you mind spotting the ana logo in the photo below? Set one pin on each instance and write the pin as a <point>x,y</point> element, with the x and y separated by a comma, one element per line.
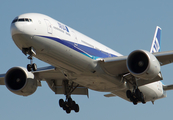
<point>63,27</point>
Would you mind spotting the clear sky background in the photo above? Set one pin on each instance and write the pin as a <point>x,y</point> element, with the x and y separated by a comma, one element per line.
<point>124,26</point>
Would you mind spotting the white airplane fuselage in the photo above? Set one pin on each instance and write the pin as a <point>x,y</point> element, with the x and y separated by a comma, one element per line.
<point>69,50</point>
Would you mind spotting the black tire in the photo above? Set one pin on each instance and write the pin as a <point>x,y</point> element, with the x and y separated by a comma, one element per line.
<point>128,93</point>
<point>135,102</point>
<point>64,107</point>
<point>76,109</point>
<point>29,67</point>
<point>142,98</point>
<point>73,105</point>
<point>143,102</point>
<point>131,99</point>
<point>61,102</point>
<point>70,100</point>
<point>68,110</point>
<point>34,67</point>
<point>138,93</point>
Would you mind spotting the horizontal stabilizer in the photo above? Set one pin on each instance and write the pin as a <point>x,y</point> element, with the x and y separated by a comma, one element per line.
<point>167,87</point>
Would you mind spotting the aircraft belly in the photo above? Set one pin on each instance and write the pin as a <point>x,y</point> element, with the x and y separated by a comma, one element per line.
<point>99,82</point>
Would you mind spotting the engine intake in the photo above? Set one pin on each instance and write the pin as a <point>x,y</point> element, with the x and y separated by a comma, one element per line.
<point>143,64</point>
<point>21,82</point>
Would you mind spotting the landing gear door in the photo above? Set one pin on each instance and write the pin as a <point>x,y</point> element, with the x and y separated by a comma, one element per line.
<point>49,26</point>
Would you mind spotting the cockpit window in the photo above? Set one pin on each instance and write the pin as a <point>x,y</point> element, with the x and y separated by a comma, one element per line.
<point>15,20</point>
<point>22,20</point>
<point>26,19</point>
<point>30,20</point>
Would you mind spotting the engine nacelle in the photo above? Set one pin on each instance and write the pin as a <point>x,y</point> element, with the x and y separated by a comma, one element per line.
<point>143,64</point>
<point>21,82</point>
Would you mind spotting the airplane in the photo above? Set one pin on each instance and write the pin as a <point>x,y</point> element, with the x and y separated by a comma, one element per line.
<point>78,63</point>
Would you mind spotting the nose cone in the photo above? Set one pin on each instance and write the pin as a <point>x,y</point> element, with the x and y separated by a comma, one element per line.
<point>20,30</point>
<point>20,23</point>
<point>16,27</point>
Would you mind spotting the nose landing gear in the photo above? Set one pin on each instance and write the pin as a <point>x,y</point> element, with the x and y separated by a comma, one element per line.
<point>30,51</point>
<point>31,66</point>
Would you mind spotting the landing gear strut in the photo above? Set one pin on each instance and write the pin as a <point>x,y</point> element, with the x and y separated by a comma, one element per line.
<point>68,104</point>
<point>135,96</point>
<point>31,66</point>
<point>30,51</point>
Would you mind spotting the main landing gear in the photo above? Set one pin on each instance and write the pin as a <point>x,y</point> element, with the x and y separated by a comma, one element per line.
<point>135,96</point>
<point>30,51</point>
<point>69,104</point>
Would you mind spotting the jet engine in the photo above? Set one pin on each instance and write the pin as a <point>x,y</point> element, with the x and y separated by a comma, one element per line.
<point>21,82</point>
<point>143,64</point>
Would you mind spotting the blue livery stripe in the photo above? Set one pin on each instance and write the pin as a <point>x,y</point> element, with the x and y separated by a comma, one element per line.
<point>159,35</point>
<point>156,44</point>
<point>85,50</point>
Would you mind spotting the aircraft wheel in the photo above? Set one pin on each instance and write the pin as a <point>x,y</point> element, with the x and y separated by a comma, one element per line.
<point>73,105</point>
<point>29,67</point>
<point>143,102</point>
<point>76,109</point>
<point>135,102</point>
<point>70,101</point>
<point>64,107</point>
<point>61,102</point>
<point>128,93</point>
<point>68,110</point>
<point>138,93</point>
<point>142,98</point>
<point>34,67</point>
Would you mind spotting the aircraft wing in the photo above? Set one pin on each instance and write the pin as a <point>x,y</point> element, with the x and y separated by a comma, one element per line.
<point>54,78</point>
<point>164,57</point>
<point>116,66</point>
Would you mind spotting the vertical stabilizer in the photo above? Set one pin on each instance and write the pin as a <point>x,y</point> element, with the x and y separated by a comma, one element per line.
<point>156,44</point>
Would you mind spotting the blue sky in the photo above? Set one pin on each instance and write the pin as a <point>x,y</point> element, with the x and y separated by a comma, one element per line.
<point>121,25</point>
